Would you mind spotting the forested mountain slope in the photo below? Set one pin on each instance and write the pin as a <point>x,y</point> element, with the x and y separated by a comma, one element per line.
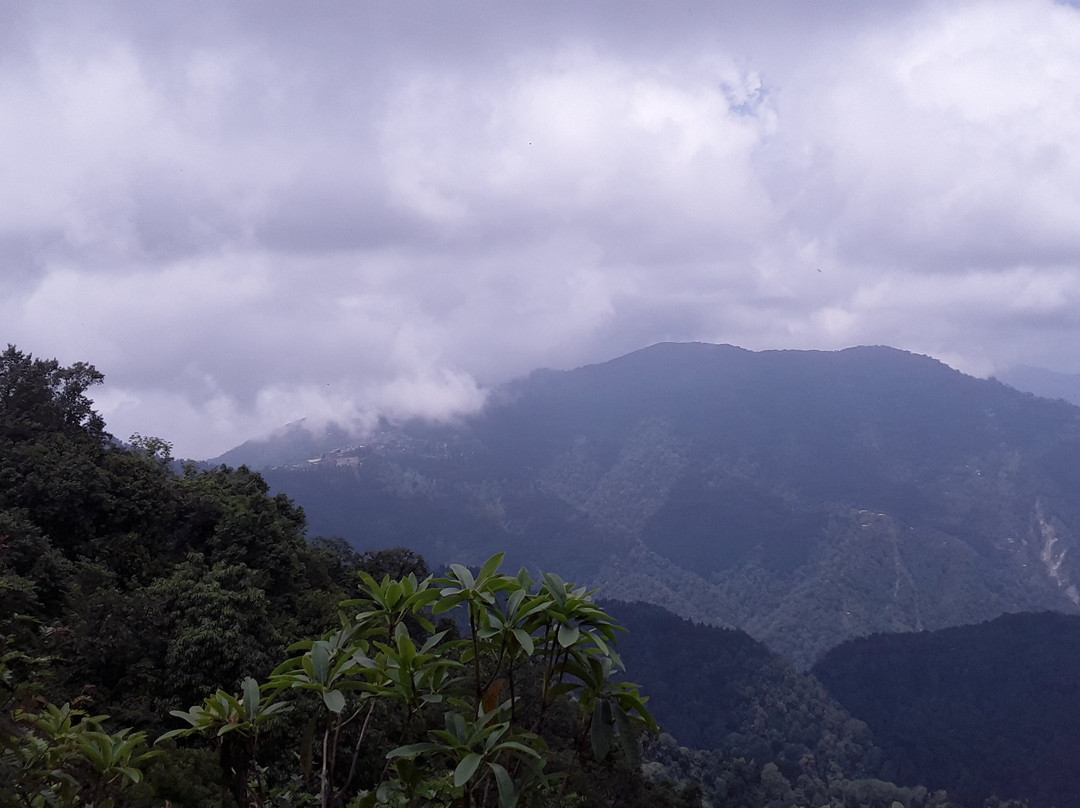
<point>807,497</point>
<point>757,729</point>
<point>977,710</point>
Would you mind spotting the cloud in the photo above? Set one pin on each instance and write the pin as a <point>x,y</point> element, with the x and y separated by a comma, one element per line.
<point>249,216</point>
<point>944,142</point>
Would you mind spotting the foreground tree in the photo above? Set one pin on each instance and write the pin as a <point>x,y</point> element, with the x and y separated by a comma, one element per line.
<point>406,714</point>
<point>155,586</point>
<point>54,755</point>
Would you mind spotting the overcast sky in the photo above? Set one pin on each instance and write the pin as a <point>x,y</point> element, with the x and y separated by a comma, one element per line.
<point>245,213</point>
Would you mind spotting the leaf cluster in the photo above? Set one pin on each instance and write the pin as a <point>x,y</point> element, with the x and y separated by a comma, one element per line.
<point>59,755</point>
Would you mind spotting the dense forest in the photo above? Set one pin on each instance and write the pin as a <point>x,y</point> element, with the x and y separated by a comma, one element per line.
<point>987,709</point>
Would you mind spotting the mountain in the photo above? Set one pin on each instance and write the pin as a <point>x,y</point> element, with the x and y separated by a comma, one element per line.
<point>976,710</point>
<point>1043,382</point>
<point>293,444</point>
<point>749,727</point>
<point>709,686</point>
<point>806,497</point>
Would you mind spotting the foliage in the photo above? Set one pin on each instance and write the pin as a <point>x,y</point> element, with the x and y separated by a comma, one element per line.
<point>157,585</point>
<point>142,586</point>
<point>453,720</point>
<point>59,755</point>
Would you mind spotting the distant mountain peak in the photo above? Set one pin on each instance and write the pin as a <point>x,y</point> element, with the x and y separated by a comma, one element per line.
<point>1043,383</point>
<point>806,497</point>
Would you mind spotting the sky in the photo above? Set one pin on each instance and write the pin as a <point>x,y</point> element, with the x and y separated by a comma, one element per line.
<point>248,213</point>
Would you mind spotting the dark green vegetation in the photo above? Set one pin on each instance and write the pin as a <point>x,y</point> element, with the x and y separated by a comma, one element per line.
<point>806,497</point>
<point>127,590</point>
<point>128,593</point>
<point>772,733</point>
<point>989,713</point>
<point>440,720</point>
<point>979,710</point>
<point>157,586</point>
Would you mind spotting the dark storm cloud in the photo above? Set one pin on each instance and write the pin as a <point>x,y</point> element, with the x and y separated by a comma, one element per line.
<point>248,213</point>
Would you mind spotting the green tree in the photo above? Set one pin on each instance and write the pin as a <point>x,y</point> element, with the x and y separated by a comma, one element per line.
<point>54,755</point>
<point>38,396</point>
<point>444,720</point>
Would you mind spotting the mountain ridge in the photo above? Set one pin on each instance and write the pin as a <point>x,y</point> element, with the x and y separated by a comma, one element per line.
<point>957,705</point>
<point>805,496</point>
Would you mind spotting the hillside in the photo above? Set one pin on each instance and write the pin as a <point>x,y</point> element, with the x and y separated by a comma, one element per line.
<point>1043,382</point>
<point>743,711</point>
<point>806,497</point>
<point>977,710</point>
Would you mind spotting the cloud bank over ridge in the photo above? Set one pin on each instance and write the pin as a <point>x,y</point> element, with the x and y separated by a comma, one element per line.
<point>251,214</point>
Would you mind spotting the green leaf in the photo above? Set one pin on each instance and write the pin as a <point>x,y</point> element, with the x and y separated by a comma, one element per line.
<point>490,566</point>
<point>446,604</point>
<point>555,587</point>
<point>627,736</point>
<point>456,725</point>
<point>393,594</point>
<point>517,746</point>
<point>413,749</point>
<point>320,661</point>
<point>251,698</point>
<point>513,603</point>
<point>601,734</point>
<point>466,768</point>
<point>525,641</point>
<point>423,598</point>
<point>175,733</point>
<point>270,709</point>
<point>432,641</point>
<point>508,796</point>
<point>406,648</point>
<point>366,799</point>
<point>463,576</point>
<point>334,700</point>
<point>568,635</point>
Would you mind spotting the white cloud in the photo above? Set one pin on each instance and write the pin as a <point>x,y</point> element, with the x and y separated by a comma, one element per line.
<point>585,142</point>
<point>946,139</point>
<point>244,218</point>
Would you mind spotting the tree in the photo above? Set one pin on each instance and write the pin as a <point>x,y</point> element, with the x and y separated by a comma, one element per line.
<point>39,396</point>
<point>157,586</point>
<point>58,755</point>
<point>405,714</point>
